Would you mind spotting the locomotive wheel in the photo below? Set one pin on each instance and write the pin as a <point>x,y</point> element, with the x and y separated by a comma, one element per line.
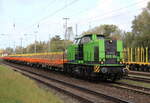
<point>104,78</point>
<point>77,71</point>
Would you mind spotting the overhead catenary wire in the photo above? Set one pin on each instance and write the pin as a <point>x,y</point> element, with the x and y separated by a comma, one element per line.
<point>112,16</point>
<point>106,15</point>
<point>103,17</point>
<point>119,9</point>
<point>55,12</point>
<point>48,5</point>
<point>108,18</point>
<point>69,4</point>
<point>110,12</point>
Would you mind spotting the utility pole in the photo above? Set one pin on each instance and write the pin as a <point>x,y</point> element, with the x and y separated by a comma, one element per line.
<point>35,45</point>
<point>26,41</point>
<point>76,30</point>
<point>65,38</point>
<point>14,48</point>
<point>21,45</point>
<point>66,22</point>
<point>89,25</point>
<point>49,44</point>
<point>14,26</point>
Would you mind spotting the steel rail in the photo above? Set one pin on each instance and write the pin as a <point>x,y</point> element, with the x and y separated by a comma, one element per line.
<point>133,88</point>
<point>140,73</point>
<point>140,79</point>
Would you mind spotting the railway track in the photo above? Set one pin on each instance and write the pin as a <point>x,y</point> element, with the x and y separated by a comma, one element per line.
<point>139,79</point>
<point>129,87</point>
<point>79,92</point>
<point>140,73</point>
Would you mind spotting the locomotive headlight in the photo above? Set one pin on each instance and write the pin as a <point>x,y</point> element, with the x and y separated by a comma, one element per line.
<point>104,70</point>
<point>110,41</point>
<point>102,62</point>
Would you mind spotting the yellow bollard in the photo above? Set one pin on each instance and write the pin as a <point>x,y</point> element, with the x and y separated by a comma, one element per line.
<point>128,54</point>
<point>143,55</point>
<point>146,54</point>
<point>131,56</point>
<point>124,55</point>
<point>138,52</point>
<point>135,55</point>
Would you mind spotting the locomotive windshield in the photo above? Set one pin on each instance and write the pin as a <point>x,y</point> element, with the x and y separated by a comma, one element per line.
<point>86,39</point>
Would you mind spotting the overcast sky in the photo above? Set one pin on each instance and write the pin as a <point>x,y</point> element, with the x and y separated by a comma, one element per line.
<point>27,14</point>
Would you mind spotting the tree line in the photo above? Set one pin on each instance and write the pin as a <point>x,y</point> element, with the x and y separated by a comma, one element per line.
<point>55,44</point>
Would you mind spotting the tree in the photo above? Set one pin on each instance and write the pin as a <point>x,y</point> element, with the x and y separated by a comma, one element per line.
<point>9,50</point>
<point>111,31</point>
<point>19,50</point>
<point>104,29</point>
<point>141,28</point>
<point>40,47</point>
<point>128,39</point>
<point>56,44</point>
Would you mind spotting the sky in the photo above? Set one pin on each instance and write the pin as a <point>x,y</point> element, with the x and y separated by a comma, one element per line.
<point>19,19</point>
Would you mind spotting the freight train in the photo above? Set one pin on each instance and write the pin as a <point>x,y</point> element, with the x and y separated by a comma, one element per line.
<point>91,56</point>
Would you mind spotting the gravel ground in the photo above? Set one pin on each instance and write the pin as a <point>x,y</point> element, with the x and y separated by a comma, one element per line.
<point>124,94</point>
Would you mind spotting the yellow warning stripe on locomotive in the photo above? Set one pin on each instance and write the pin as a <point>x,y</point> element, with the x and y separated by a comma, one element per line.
<point>97,68</point>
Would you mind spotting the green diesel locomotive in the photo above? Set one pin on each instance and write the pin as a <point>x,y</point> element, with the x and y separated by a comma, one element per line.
<point>94,56</point>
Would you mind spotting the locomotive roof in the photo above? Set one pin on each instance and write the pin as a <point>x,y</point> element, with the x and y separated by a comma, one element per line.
<point>89,35</point>
<point>93,34</point>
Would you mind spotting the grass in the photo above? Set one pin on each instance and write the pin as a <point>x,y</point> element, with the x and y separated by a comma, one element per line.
<point>16,88</point>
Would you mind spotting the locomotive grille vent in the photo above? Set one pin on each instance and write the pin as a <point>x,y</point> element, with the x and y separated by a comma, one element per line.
<point>111,61</point>
<point>111,49</point>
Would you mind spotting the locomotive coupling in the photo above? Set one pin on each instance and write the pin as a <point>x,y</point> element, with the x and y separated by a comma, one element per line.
<point>125,71</point>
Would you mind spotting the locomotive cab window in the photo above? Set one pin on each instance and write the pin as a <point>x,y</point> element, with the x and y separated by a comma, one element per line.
<point>85,39</point>
<point>76,41</point>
